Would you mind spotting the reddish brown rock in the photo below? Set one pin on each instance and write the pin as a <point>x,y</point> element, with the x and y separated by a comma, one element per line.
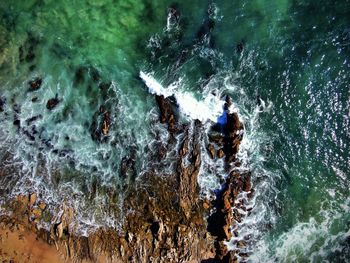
<point>52,103</point>
<point>165,219</point>
<point>206,204</point>
<point>36,213</point>
<point>106,123</point>
<point>2,104</point>
<point>233,137</point>
<point>166,113</point>
<point>42,205</point>
<point>101,124</point>
<point>35,84</point>
<point>220,153</point>
<point>211,151</point>
<point>32,199</point>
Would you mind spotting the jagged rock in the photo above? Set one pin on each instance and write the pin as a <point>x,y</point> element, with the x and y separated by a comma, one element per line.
<point>59,230</point>
<point>206,204</point>
<point>42,205</point>
<point>23,199</point>
<point>166,113</point>
<point>2,104</point>
<point>80,75</point>
<point>36,213</point>
<point>101,124</point>
<point>211,151</point>
<point>233,136</point>
<point>35,84</point>
<point>52,103</point>
<point>32,199</point>
<point>240,47</point>
<point>220,153</point>
<point>224,217</point>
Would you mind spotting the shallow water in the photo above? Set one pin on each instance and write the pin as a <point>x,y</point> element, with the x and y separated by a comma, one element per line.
<point>290,56</point>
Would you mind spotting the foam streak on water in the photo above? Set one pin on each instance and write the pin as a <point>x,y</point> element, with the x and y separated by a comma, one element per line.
<point>211,108</point>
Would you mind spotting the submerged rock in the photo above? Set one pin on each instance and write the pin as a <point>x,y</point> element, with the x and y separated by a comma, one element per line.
<point>211,150</point>
<point>30,136</point>
<point>33,119</point>
<point>95,75</point>
<point>35,84</point>
<point>2,104</point>
<point>17,123</point>
<point>106,123</point>
<point>240,47</point>
<point>80,75</point>
<point>52,103</point>
<point>101,124</point>
<point>27,50</point>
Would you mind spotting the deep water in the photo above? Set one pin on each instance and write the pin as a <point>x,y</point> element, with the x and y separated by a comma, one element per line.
<point>285,63</point>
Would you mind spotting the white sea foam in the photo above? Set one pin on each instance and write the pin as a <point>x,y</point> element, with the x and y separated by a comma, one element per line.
<point>312,240</point>
<point>212,172</point>
<point>35,162</point>
<point>211,108</point>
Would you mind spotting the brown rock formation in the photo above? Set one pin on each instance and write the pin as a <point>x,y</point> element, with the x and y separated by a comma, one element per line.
<point>166,112</point>
<point>164,215</point>
<point>35,84</point>
<point>220,223</point>
<point>211,150</point>
<point>52,103</point>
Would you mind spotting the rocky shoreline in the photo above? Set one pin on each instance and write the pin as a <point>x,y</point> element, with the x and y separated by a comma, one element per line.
<point>167,219</point>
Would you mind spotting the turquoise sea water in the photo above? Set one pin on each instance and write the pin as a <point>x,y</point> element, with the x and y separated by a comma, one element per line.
<point>291,57</point>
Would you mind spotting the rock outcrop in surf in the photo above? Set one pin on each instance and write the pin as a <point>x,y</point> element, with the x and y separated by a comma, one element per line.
<point>164,214</point>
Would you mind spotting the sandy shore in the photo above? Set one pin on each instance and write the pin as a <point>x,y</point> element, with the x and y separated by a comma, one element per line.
<point>20,245</point>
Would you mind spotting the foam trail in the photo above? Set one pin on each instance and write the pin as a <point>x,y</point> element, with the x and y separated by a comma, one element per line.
<point>211,108</point>
<point>154,86</point>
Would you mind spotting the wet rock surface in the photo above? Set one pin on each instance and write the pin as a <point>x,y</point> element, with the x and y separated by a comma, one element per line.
<point>35,84</point>
<point>221,223</point>
<point>165,217</point>
<point>52,103</point>
<point>101,124</point>
<point>167,114</point>
<point>2,104</point>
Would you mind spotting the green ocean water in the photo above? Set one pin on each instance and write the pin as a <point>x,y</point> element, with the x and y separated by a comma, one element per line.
<point>293,55</point>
